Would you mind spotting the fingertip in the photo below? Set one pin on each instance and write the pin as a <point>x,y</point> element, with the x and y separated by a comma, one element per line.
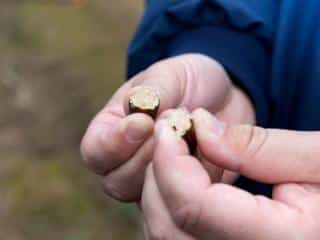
<point>172,155</point>
<point>211,136</point>
<point>163,131</point>
<point>181,180</point>
<point>108,144</point>
<point>207,124</point>
<point>168,147</point>
<point>137,127</point>
<point>168,143</point>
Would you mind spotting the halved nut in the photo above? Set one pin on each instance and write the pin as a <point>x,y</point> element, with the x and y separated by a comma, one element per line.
<point>181,122</point>
<point>145,100</point>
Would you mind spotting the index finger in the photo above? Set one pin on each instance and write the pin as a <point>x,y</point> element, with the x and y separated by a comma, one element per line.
<point>208,211</point>
<point>267,155</point>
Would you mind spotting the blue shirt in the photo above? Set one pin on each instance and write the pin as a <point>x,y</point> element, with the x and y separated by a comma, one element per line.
<point>271,49</point>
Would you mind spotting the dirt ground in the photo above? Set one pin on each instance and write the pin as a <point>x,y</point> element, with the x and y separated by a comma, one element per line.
<point>59,63</point>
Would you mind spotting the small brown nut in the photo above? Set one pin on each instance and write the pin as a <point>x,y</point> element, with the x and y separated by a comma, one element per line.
<point>144,100</point>
<point>181,122</point>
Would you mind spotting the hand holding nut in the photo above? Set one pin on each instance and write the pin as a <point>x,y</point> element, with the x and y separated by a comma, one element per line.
<point>118,144</point>
<point>145,100</point>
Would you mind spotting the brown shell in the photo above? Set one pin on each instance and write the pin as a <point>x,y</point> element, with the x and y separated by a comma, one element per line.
<point>191,139</point>
<point>151,112</point>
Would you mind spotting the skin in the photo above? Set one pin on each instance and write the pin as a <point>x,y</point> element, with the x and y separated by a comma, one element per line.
<point>183,198</point>
<point>191,81</point>
<point>192,206</point>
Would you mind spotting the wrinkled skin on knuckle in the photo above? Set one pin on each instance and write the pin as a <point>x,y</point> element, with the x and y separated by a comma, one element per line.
<point>168,67</point>
<point>200,64</point>
<point>184,67</point>
<point>246,140</point>
<point>191,74</point>
<point>199,71</point>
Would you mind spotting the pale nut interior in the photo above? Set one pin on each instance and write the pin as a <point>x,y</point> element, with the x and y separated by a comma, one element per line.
<point>145,99</point>
<point>180,120</point>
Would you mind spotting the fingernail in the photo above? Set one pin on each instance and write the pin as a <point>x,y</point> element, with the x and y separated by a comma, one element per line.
<point>211,126</point>
<point>136,131</point>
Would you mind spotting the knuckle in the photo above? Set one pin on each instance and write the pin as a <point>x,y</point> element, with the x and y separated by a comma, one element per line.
<point>180,66</point>
<point>188,216</point>
<point>173,67</point>
<point>199,63</point>
<point>186,66</point>
<point>257,140</point>
<point>117,192</point>
<point>247,140</point>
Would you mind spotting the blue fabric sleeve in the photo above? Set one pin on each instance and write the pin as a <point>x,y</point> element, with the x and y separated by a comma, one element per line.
<point>238,34</point>
<point>242,56</point>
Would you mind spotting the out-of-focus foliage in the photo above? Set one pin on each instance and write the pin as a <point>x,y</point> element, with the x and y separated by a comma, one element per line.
<point>59,62</point>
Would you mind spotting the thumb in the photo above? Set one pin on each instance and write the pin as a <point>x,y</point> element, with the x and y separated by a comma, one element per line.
<point>186,80</point>
<point>213,211</point>
<point>267,155</point>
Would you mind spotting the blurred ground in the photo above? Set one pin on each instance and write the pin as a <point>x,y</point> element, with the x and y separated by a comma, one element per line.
<point>59,62</point>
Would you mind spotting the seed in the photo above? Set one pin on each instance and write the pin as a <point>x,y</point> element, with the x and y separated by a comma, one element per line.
<point>144,100</point>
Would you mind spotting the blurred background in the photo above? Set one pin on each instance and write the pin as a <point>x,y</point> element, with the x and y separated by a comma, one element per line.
<point>59,62</point>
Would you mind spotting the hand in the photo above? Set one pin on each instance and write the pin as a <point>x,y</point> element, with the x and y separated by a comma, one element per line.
<point>119,146</point>
<point>180,197</point>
